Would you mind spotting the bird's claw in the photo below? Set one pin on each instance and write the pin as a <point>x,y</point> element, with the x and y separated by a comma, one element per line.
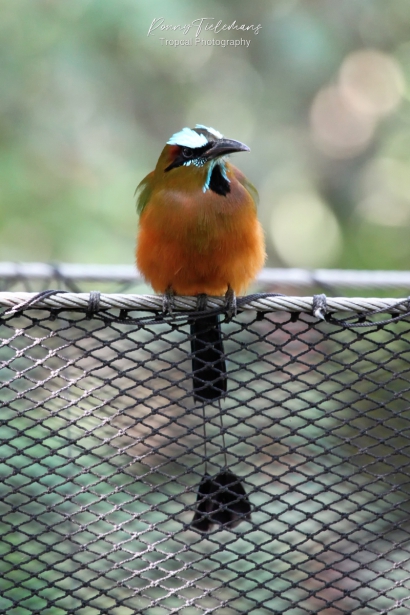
<point>168,301</point>
<point>230,304</point>
<point>201,302</point>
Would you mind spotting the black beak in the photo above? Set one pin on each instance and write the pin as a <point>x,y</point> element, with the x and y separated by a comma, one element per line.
<point>225,146</point>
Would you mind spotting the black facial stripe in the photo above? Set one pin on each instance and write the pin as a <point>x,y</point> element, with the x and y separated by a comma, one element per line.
<point>197,154</point>
<point>218,183</point>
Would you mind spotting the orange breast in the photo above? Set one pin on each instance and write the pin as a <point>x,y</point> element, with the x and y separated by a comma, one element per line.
<point>198,242</point>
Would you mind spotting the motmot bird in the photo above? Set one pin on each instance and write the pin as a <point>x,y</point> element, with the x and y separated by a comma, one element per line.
<point>199,235</point>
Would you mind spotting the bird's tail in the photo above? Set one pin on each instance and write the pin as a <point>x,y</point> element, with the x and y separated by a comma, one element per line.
<point>208,360</point>
<point>221,499</point>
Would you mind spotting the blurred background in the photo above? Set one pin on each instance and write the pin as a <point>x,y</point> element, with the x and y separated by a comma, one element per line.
<point>321,95</point>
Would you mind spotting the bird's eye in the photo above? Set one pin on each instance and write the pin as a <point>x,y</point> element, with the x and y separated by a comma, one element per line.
<point>187,152</point>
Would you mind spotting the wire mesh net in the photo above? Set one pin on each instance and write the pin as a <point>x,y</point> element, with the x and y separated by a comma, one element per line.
<point>103,451</point>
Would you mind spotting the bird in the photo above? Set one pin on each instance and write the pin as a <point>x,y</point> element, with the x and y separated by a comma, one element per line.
<point>199,235</point>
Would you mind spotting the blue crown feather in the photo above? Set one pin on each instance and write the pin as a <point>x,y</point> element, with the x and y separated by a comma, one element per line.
<point>214,132</point>
<point>188,138</point>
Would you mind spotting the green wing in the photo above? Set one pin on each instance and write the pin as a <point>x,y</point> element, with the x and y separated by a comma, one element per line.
<point>143,192</point>
<point>247,185</point>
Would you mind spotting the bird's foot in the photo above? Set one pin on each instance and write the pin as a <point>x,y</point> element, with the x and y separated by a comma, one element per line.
<point>168,302</point>
<point>201,302</point>
<point>230,303</point>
